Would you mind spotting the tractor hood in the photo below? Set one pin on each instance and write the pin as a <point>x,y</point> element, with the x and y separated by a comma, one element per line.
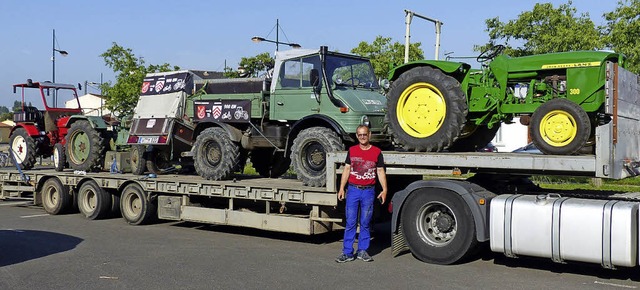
<point>560,60</point>
<point>361,100</point>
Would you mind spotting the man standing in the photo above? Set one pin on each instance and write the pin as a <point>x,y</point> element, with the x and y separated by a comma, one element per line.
<point>364,161</point>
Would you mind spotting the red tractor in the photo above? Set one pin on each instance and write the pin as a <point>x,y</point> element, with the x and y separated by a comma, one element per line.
<point>41,133</point>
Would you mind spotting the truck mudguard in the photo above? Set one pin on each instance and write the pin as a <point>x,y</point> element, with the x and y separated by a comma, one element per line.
<point>303,124</point>
<point>234,133</point>
<point>470,193</point>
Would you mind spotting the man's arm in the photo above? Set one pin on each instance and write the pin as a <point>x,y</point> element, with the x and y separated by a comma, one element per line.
<point>343,181</point>
<point>382,177</point>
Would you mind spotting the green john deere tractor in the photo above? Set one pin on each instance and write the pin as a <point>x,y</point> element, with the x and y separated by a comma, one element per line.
<point>443,105</point>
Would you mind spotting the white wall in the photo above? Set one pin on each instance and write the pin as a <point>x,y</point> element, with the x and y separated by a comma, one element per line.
<point>90,104</point>
<point>511,136</point>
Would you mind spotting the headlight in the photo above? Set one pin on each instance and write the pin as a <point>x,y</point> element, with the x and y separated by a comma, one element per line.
<point>339,81</point>
<point>384,83</point>
<point>365,121</point>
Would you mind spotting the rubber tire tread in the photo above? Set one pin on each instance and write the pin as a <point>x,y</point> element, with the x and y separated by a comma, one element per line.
<point>455,118</point>
<point>138,159</point>
<point>97,152</point>
<point>269,163</point>
<point>103,201</point>
<point>328,139</point>
<point>65,202</point>
<point>582,121</point>
<point>30,158</point>
<point>148,208</point>
<point>462,245</point>
<point>152,161</point>
<point>230,155</point>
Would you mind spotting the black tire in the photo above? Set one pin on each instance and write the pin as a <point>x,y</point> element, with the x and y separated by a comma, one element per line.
<point>59,158</point>
<point>85,147</point>
<point>94,202</point>
<point>438,226</point>
<point>309,154</point>
<point>560,127</point>
<point>135,206</point>
<point>474,137</point>
<point>55,197</point>
<point>115,205</point>
<point>270,163</point>
<point>158,161</point>
<point>426,109</point>
<point>138,160</point>
<point>216,156</point>
<point>23,149</point>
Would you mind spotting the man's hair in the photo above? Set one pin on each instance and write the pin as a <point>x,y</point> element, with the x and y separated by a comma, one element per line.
<point>363,126</point>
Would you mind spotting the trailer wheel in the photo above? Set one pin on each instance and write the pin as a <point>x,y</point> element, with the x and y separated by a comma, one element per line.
<point>93,201</point>
<point>269,163</point>
<point>560,127</point>
<point>135,206</point>
<point>85,147</point>
<point>23,148</point>
<point>55,197</point>
<point>138,160</point>
<point>59,159</point>
<point>309,154</point>
<point>426,109</point>
<point>216,156</point>
<point>474,137</point>
<point>438,226</point>
<point>158,161</point>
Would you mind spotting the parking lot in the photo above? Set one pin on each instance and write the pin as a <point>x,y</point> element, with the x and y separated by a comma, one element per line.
<point>39,251</point>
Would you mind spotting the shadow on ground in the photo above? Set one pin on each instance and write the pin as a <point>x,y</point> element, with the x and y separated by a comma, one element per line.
<point>17,246</point>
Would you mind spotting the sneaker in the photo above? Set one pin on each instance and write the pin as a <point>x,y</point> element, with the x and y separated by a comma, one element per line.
<point>344,258</point>
<point>364,256</point>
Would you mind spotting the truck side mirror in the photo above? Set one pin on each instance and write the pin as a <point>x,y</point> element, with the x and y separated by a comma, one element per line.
<point>314,79</point>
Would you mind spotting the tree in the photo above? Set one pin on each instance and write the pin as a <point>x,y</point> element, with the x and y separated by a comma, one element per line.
<point>545,29</point>
<point>621,32</point>
<point>121,97</point>
<point>384,55</point>
<point>251,66</point>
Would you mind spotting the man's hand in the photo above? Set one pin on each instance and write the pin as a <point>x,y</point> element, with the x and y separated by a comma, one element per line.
<point>382,196</point>
<point>341,194</point>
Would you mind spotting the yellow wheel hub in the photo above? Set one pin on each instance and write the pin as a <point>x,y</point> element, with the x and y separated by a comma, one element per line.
<point>558,128</point>
<point>421,110</point>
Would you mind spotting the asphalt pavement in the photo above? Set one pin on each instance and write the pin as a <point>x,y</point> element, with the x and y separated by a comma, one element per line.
<point>39,251</point>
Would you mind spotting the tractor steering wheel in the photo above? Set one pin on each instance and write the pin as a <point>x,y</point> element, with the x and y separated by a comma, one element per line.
<point>490,53</point>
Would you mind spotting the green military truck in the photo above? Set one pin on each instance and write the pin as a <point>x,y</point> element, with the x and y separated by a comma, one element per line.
<point>311,105</point>
<point>444,105</point>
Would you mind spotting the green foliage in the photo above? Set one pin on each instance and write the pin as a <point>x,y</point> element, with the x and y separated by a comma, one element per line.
<point>17,106</point>
<point>545,29</point>
<point>251,66</point>
<point>621,32</point>
<point>384,55</point>
<point>121,97</point>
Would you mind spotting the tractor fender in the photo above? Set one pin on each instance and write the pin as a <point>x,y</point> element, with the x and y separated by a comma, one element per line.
<point>95,121</point>
<point>235,134</point>
<point>31,129</point>
<point>448,67</point>
<point>315,121</point>
<point>476,197</point>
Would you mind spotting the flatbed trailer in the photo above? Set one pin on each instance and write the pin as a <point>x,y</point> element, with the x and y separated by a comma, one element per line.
<point>440,221</point>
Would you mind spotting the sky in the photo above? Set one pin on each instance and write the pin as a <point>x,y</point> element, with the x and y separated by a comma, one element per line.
<point>205,35</point>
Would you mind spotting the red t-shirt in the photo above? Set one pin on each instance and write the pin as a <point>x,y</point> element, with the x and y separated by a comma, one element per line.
<point>364,164</point>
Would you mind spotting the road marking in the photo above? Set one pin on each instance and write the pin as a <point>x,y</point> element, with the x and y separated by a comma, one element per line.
<point>615,285</point>
<point>35,215</point>
<point>108,277</point>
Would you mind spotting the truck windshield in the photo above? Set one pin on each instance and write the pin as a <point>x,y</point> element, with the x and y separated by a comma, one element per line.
<point>352,72</point>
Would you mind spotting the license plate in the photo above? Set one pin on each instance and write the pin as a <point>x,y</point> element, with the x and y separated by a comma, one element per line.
<point>148,140</point>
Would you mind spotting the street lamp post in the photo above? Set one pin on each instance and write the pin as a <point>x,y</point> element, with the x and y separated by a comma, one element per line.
<point>277,41</point>
<point>53,61</point>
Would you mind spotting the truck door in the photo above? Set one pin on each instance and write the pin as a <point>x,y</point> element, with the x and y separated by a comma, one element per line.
<point>294,97</point>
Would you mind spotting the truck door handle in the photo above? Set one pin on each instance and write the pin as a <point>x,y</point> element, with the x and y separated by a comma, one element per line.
<point>280,103</point>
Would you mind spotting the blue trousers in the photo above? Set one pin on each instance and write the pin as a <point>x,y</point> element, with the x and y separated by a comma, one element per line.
<point>361,199</point>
